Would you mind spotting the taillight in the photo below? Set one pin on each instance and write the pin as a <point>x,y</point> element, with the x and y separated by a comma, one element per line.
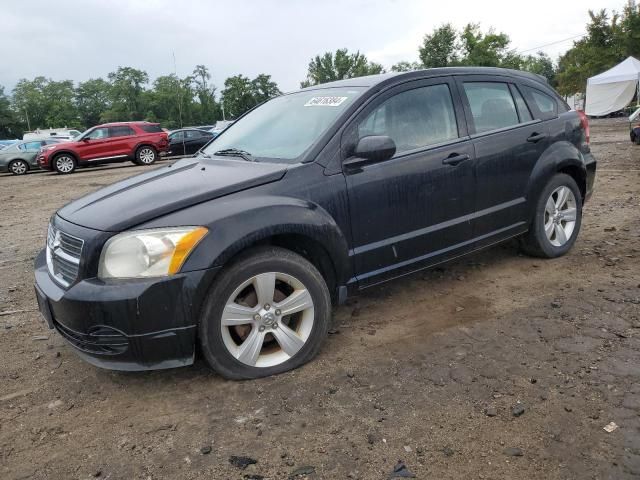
<point>584,121</point>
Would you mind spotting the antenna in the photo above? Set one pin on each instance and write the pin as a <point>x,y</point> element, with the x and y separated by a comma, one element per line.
<point>175,72</point>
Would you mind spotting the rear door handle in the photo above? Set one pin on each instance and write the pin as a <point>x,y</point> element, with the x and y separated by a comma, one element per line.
<point>454,159</point>
<point>536,137</point>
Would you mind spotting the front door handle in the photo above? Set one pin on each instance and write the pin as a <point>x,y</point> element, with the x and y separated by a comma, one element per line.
<point>454,159</point>
<point>536,137</point>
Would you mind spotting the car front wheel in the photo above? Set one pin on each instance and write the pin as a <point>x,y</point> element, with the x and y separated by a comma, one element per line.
<point>557,219</point>
<point>267,313</point>
<point>18,167</point>
<point>146,156</point>
<point>64,163</point>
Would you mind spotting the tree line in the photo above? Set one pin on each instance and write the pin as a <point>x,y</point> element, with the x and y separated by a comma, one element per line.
<point>128,94</point>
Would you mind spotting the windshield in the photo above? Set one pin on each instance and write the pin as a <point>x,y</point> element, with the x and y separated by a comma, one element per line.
<point>284,128</point>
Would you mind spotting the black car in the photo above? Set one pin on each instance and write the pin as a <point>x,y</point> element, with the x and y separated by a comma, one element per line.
<point>305,200</point>
<point>188,141</point>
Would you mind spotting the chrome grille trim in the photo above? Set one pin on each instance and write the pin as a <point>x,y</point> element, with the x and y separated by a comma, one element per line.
<point>63,256</point>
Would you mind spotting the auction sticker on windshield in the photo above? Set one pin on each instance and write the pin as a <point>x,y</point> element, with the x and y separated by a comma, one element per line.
<point>325,101</point>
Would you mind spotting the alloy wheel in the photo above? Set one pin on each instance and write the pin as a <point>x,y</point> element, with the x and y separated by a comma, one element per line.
<point>267,319</point>
<point>64,164</point>
<point>560,216</point>
<point>147,156</point>
<point>18,168</point>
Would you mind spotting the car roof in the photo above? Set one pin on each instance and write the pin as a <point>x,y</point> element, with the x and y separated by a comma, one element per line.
<point>136,122</point>
<point>190,128</point>
<point>371,81</point>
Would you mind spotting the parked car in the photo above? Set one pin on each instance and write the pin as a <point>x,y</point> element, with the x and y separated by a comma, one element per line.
<point>220,126</point>
<point>58,133</point>
<point>139,142</point>
<point>188,141</point>
<point>21,157</point>
<point>305,200</point>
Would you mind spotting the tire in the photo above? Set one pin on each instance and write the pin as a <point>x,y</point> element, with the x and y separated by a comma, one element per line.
<point>64,163</point>
<point>146,155</point>
<point>294,278</point>
<point>18,167</point>
<point>545,238</point>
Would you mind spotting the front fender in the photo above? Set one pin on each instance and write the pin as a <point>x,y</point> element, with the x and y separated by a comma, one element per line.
<point>236,224</point>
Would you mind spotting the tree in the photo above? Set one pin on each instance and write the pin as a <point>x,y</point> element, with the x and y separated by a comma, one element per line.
<point>609,40</point>
<point>241,94</point>
<point>405,66</point>
<point>237,96</point>
<point>60,104</point>
<point>330,67</point>
<point>209,110</point>
<point>171,101</point>
<point>29,102</point>
<point>127,99</point>
<point>264,88</point>
<point>9,124</point>
<point>483,49</point>
<point>439,48</point>
<point>630,29</point>
<point>541,64</point>
<point>93,97</point>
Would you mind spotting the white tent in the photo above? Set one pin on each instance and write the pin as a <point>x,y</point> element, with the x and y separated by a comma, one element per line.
<point>614,89</point>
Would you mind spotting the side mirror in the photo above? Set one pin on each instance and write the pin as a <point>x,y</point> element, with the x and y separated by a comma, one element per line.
<point>86,139</point>
<point>372,149</point>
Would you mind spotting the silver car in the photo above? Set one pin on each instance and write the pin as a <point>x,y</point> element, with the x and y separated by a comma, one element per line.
<point>21,157</point>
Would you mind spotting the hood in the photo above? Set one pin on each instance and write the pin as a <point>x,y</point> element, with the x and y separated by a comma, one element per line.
<point>168,189</point>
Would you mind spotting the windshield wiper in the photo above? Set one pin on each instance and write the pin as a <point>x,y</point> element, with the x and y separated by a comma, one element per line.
<point>236,152</point>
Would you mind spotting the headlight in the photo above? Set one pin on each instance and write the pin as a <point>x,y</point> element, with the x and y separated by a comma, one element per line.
<point>148,253</point>
<point>48,147</point>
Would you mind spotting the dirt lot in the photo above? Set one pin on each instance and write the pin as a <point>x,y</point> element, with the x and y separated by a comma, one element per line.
<point>412,371</point>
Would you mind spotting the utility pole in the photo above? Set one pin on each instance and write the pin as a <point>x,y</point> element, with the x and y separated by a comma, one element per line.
<point>222,103</point>
<point>27,115</point>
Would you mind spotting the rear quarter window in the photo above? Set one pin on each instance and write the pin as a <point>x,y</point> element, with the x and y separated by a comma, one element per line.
<point>544,105</point>
<point>151,128</point>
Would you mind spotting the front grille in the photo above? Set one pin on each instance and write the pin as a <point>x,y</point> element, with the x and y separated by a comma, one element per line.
<point>101,340</point>
<point>63,256</point>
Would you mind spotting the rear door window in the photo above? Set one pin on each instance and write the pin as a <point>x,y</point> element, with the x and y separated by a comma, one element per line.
<point>192,134</point>
<point>523,109</point>
<point>33,146</point>
<point>122,131</point>
<point>414,118</point>
<point>492,105</point>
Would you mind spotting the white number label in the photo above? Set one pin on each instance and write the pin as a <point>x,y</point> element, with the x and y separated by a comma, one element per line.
<point>325,101</point>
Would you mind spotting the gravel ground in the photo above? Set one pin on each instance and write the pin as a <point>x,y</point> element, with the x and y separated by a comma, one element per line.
<point>498,366</point>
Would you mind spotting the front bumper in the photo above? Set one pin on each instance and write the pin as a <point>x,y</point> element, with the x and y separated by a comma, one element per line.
<point>141,324</point>
<point>44,161</point>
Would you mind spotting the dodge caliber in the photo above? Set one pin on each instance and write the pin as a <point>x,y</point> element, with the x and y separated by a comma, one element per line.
<point>241,251</point>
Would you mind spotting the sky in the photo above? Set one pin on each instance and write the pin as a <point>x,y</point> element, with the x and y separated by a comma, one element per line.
<point>78,40</point>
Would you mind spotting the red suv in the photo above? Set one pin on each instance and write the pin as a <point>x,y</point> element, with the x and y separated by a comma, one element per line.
<point>140,142</point>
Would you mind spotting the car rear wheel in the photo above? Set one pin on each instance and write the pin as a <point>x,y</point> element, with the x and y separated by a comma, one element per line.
<point>267,313</point>
<point>146,155</point>
<point>557,219</point>
<point>18,167</point>
<point>64,163</point>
